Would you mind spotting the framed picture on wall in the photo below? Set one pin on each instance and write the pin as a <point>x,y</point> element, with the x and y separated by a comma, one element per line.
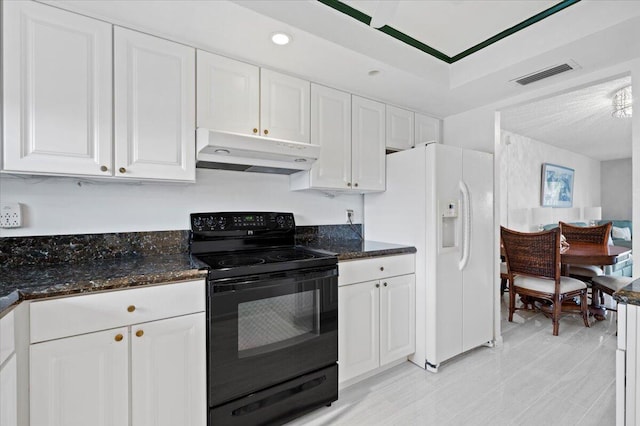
<point>557,186</point>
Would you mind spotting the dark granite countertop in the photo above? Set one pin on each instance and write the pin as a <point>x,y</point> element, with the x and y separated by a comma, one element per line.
<point>348,249</point>
<point>40,281</point>
<point>629,294</point>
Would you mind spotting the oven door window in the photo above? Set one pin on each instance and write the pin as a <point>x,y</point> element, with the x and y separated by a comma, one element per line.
<point>279,322</point>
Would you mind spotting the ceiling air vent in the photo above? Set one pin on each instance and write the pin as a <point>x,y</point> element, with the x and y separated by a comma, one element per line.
<point>545,73</point>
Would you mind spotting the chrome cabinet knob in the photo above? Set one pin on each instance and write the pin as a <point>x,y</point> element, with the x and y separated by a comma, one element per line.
<point>122,170</point>
<point>103,168</point>
<point>377,285</point>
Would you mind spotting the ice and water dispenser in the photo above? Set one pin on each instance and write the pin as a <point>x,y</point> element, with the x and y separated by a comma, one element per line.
<point>448,217</point>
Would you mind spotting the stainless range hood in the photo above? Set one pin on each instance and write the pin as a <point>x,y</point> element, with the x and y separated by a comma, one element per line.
<point>235,151</point>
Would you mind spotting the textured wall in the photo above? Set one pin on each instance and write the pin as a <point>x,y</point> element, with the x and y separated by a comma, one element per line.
<point>54,206</point>
<point>520,171</point>
<point>616,189</point>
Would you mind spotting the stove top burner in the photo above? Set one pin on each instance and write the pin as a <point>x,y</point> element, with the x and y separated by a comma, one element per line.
<point>235,261</point>
<point>286,256</point>
<point>238,263</point>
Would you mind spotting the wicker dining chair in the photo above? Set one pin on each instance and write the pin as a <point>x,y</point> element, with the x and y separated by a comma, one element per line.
<point>586,234</point>
<point>533,267</point>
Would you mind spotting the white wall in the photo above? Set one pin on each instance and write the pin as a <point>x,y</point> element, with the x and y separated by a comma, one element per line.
<point>520,173</point>
<point>54,206</point>
<point>615,189</point>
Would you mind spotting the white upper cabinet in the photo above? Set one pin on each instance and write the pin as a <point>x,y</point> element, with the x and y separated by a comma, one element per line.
<point>228,94</point>
<point>400,128</point>
<point>427,129</point>
<point>241,98</point>
<point>57,91</point>
<point>351,133</point>
<point>154,82</point>
<point>331,129</point>
<point>368,144</point>
<point>284,106</point>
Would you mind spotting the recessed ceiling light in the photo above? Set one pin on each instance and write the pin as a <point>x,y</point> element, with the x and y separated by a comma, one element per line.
<point>280,38</point>
<point>373,72</point>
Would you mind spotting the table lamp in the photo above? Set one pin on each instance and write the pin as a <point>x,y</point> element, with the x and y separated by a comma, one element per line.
<point>542,216</point>
<point>592,214</point>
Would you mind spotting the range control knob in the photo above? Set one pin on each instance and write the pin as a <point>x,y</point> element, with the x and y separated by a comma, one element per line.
<point>210,222</point>
<point>280,221</point>
<point>222,222</point>
<point>197,223</point>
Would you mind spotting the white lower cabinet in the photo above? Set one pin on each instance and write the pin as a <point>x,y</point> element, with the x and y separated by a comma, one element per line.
<point>167,372</point>
<point>376,318</point>
<point>628,365</point>
<point>9,393</point>
<point>358,329</point>
<point>81,380</point>
<point>148,373</point>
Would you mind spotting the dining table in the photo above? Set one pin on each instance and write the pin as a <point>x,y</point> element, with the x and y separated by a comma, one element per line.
<point>592,254</point>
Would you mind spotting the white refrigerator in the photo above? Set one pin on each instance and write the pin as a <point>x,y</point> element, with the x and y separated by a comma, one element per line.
<point>439,198</point>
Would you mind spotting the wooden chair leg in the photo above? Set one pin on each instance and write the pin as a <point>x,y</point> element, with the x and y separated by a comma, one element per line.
<point>512,303</point>
<point>503,286</point>
<point>557,309</point>
<point>585,309</point>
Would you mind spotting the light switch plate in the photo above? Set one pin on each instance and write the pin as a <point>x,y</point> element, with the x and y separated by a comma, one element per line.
<point>10,215</point>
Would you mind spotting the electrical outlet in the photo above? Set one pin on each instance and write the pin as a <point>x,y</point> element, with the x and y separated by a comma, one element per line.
<point>10,215</point>
<point>349,215</point>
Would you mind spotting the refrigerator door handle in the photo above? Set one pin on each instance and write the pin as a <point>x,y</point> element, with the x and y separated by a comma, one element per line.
<point>466,225</point>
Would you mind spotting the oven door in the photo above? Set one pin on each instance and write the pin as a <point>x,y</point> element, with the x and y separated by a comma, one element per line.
<point>263,330</point>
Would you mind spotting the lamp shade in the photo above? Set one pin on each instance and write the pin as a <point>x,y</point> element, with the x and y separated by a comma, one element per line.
<point>542,215</point>
<point>592,213</point>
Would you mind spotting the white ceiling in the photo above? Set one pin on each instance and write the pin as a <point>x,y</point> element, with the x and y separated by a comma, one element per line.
<point>332,48</point>
<point>579,121</point>
<point>450,26</point>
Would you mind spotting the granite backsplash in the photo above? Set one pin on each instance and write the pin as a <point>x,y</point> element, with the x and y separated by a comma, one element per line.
<point>56,249</point>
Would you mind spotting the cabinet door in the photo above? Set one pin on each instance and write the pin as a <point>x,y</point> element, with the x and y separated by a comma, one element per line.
<point>57,91</point>
<point>9,393</point>
<point>284,106</point>
<point>331,129</point>
<point>154,82</point>
<point>427,129</point>
<point>358,329</point>
<point>368,145</point>
<point>168,367</point>
<point>81,380</point>
<point>400,128</point>
<point>397,318</point>
<point>228,94</point>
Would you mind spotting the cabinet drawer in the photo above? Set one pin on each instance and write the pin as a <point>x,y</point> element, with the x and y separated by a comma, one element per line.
<point>68,316</point>
<point>7,341</point>
<point>375,268</point>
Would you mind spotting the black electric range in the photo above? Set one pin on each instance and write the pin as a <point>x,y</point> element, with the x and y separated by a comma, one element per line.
<point>272,318</point>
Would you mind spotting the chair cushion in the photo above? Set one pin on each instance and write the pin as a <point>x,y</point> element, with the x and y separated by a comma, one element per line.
<point>585,270</point>
<point>611,282</point>
<point>503,268</point>
<point>567,284</point>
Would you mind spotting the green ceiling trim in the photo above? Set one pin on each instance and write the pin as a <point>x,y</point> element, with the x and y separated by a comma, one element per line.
<point>348,10</point>
<point>366,19</point>
<point>415,43</point>
<point>524,24</point>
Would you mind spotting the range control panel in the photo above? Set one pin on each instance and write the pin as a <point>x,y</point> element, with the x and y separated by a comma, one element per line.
<point>241,221</point>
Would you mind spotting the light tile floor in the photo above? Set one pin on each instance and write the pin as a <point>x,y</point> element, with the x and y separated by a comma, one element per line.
<point>533,378</point>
